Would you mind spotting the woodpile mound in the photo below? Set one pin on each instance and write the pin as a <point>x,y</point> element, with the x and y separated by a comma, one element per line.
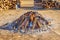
<point>28,22</point>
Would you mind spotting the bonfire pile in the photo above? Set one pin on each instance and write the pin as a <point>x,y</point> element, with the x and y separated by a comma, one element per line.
<point>32,21</point>
<point>28,22</point>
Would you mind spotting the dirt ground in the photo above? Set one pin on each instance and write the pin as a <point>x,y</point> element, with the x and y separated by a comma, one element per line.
<point>11,15</point>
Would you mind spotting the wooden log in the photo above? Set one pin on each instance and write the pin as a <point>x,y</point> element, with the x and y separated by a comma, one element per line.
<point>39,24</point>
<point>34,24</point>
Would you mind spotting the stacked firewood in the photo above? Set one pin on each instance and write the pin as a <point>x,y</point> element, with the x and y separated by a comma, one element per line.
<point>51,4</point>
<point>48,4</point>
<point>7,4</point>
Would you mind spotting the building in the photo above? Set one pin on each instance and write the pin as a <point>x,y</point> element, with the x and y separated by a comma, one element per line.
<point>26,3</point>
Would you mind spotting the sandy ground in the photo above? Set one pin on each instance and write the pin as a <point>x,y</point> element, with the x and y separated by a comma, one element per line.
<point>11,15</point>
